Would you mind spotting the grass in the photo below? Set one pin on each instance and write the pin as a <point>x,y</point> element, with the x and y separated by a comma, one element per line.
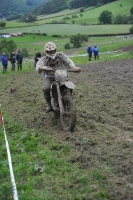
<point>69,29</point>
<point>91,16</point>
<point>61,13</point>
<point>41,171</point>
<point>34,43</point>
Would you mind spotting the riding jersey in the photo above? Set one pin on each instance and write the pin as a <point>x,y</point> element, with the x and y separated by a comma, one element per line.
<point>61,61</point>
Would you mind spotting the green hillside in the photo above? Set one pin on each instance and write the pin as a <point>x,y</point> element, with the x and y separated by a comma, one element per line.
<point>14,7</point>
<point>50,24</point>
<point>90,15</point>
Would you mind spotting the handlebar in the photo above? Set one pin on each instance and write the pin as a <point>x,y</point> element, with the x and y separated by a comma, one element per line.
<point>77,69</point>
<point>48,68</point>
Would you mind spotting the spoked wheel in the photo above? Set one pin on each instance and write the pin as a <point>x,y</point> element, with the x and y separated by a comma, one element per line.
<point>69,118</point>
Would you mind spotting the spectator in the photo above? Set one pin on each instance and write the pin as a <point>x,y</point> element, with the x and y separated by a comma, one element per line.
<point>19,59</point>
<point>13,60</point>
<point>4,61</point>
<point>89,51</point>
<point>96,52</point>
<point>37,56</point>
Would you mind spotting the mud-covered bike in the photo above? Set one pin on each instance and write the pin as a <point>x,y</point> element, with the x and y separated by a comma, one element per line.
<point>62,102</point>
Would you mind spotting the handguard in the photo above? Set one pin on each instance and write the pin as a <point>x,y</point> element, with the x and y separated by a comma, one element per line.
<point>45,69</point>
<point>76,70</point>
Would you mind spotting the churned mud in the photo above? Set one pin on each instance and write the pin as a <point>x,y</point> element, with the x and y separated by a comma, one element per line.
<point>103,136</point>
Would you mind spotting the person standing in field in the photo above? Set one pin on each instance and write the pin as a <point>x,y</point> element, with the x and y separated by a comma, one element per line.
<point>4,61</point>
<point>89,51</point>
<point>13,60</point>
<point>96,52</point>
<point>19,59</point>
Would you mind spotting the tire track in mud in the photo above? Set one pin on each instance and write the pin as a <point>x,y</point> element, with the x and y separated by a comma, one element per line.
<point>103,134</point>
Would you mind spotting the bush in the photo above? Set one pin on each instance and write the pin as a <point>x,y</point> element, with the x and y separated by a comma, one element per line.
<point>73,22</point>
<point>81,9</point>
<point>2,24</point>
<point>67,46</point>
<point>56,35</point>
<point>54,22</point>
<point>24,52</point>
<point>44,34</point>
<point>78,39</point>
<point>62,22</point>
<point>66,18</point>
<point>74,16</point>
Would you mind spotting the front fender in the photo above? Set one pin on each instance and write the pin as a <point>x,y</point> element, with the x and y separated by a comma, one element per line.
<point>68,84</point>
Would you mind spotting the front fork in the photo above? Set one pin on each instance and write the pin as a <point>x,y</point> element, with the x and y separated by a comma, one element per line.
<point>62,111</point>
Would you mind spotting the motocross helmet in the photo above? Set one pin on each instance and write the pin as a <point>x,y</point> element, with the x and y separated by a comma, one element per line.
<point>50,49</point>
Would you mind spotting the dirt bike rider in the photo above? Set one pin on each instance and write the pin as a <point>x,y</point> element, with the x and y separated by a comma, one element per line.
<point>53,59</point>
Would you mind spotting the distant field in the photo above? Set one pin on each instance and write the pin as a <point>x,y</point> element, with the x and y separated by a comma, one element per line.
<point>69,29</point>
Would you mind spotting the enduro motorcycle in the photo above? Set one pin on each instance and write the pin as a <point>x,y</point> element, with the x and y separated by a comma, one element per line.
<point>62,101</point>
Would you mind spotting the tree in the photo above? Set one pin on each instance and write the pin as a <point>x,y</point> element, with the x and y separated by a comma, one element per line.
<point>121,19</point>
<point>51,6</point>
<point>131,11</point>
<point>7,46</point>
<point>131,30</point>
<point>130,19</point>
<point>28,18</point>
<point>106,17</point>
<point>78,39</point>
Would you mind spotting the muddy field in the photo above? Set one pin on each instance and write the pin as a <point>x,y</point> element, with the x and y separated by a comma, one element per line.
<point>104,132</point>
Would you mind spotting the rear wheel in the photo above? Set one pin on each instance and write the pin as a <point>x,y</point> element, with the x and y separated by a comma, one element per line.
<point>68,120</point>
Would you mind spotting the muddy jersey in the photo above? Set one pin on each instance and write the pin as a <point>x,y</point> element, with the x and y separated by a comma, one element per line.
<point>61,61</point>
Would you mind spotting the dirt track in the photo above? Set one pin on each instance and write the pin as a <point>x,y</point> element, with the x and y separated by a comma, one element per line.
<point>104,132</point>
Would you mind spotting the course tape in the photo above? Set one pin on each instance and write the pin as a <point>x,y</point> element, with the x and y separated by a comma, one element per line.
<point>15,195</point>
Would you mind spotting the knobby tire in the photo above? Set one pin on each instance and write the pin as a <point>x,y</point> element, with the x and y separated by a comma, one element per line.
<point>68,120</point>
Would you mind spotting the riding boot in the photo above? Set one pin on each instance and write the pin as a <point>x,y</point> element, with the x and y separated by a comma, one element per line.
<point>48,107</point>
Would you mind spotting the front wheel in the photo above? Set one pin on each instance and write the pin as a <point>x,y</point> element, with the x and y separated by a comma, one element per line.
<point>69,118</point>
